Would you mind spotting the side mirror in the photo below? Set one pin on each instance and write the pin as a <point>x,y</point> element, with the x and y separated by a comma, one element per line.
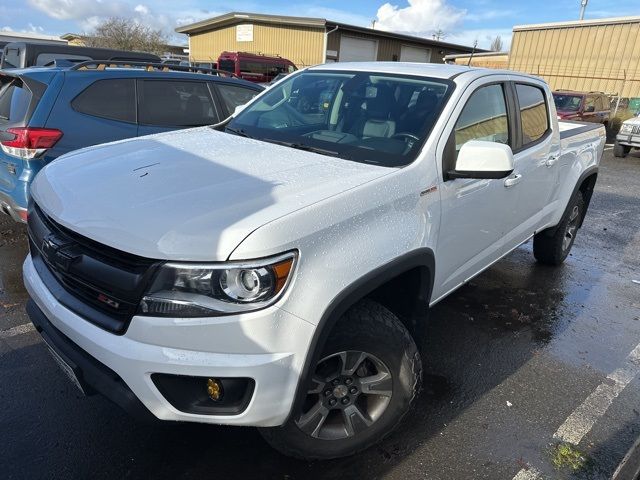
<point>481,159</point>
<point>590,109</point>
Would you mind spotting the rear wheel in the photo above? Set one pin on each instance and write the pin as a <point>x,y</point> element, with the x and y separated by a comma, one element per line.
<point>367,377</point>
<point>552,246</point>
<point>620,151</point>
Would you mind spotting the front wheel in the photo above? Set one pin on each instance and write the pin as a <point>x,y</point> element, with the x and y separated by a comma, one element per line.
<point>620,151</point>
<point>366,379</point>
<point>552,246</point>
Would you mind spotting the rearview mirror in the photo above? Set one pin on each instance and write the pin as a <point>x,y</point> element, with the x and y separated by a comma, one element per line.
<point>481,159</point>
<point>238,109</point>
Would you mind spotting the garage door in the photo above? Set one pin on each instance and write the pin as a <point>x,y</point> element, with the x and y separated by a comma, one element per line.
<point>358,50</point>
<point>415,54</point>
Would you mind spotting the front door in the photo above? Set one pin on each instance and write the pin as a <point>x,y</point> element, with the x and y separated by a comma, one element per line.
<point>473,211</point>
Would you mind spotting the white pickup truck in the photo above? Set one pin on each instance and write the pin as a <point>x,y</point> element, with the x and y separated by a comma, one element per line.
<point>275,270</point>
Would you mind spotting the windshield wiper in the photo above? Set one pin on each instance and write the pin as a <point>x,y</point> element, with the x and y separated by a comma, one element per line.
<point>302,146</point>
<point>237,131</point>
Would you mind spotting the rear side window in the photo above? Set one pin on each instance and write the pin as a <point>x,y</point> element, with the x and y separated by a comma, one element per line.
<point>175,103</point>
<point>44,59</point>
<point>114,99</point>
<point>233,95</point>
<point>484,117</point>
<point>14,102</point>
<point>11,58</point>
<point>533,113</point>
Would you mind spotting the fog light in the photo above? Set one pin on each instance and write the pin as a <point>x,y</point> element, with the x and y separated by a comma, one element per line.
<point>214,389</point>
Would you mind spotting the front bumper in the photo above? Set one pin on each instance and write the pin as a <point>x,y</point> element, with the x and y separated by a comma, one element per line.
<point>628,139</point>
<point>268,347</point>
<point>11,208</point>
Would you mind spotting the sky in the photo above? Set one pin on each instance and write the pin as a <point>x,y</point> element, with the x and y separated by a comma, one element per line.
<point>462,21</point>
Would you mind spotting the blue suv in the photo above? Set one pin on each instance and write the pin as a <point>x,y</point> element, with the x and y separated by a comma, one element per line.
<point>47,112</point>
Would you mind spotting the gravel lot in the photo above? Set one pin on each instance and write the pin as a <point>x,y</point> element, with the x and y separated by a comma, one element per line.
<point>520,354</point>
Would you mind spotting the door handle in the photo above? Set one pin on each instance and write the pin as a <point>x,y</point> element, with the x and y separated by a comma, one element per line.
<point>552,160</point>
<point>511,181</point>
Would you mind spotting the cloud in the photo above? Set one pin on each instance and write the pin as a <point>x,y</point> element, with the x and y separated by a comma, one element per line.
<point>421,17</point>
<point>78,9</point>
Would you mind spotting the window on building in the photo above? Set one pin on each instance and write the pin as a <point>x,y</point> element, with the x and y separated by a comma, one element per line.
<point>533,113</point>
<point>114,99</point>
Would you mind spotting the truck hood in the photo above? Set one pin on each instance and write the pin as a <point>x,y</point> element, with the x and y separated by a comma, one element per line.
<point>188,195</point>
<point>633,121</point>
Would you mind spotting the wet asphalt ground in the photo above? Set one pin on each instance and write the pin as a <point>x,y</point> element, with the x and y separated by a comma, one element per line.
<point>508,359</point>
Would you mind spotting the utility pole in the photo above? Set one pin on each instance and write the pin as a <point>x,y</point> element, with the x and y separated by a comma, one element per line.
<point>373,24</point>
<point>583,7</point>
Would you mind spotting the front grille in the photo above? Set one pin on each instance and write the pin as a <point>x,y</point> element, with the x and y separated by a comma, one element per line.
<point>636,129</point>
<point>98,282</point>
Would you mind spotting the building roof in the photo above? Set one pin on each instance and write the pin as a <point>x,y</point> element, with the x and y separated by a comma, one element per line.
<point>577,23</point>
<point>237,17</point>
<point>30,36</point>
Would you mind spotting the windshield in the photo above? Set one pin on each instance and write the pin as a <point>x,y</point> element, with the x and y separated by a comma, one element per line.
<point>373,118</point>
<point>569,103</point>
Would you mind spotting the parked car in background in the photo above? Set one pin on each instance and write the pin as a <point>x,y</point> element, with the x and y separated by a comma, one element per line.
<point>48,111</point>
<point>592,107</point>
<point>211,65</point>
<point>628,137</point>
<point>28,54</point>
<point>280,277</point>
<point>254,67</point>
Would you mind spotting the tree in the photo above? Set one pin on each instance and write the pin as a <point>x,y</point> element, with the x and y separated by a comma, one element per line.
<point>124,34</point>
<point>496,45</point>
<point>439,34</point>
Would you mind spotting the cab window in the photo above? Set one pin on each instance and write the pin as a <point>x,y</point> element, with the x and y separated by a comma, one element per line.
<point>534,118</point>
<point>484,117</point>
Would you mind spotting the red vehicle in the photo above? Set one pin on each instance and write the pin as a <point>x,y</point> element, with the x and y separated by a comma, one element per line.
<point>254,67</point>
<point>582,106</point>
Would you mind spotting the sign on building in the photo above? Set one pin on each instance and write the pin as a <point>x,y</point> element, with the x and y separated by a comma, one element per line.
<point>244,32</point>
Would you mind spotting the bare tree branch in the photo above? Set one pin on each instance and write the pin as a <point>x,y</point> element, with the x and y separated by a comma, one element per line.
<point>123,34</point>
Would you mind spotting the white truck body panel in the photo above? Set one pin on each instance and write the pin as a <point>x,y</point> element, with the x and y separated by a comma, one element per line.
<point>200,195</point>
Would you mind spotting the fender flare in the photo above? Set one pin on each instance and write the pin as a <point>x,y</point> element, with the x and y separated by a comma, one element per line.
<point>583,176</point>
<point>422,258</point>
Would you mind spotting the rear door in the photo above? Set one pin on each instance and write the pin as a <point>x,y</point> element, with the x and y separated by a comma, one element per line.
<point>166,104</point>
<point>536,155</point>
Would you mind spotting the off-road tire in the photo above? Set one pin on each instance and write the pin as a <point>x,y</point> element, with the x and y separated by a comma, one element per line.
<point>549,246</point>
<point>620,151</point>
<point>366,327</point>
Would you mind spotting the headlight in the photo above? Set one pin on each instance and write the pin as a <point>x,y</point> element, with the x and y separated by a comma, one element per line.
<point>626,127</point>
<point>189,290</point>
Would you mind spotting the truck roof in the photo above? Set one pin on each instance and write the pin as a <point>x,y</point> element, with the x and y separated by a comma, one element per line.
<point>433,70</point>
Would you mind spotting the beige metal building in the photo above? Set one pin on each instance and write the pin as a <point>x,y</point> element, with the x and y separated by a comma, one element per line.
<point>589,55</point>
<point>307,41</point>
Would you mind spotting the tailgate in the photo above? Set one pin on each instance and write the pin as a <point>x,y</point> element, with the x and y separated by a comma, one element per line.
<point>19,97</point>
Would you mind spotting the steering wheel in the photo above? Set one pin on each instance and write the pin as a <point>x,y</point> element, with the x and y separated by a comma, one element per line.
<point>406,135</point>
